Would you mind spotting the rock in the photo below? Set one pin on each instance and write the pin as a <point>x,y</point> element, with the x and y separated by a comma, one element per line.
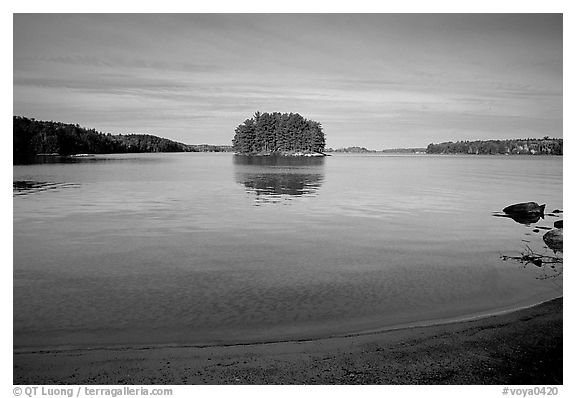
<point>537,262</point>
<point>559,224</point>
<point>525,208</point>
<point>525,213</point>
<point>554,239</point>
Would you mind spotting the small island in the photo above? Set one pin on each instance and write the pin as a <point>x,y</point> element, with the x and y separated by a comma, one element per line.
<point>285,134</point>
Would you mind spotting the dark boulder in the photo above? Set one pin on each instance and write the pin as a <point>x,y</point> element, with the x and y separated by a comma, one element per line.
<point>554,239</point>
<point>559,224</point>
<point>525,208</point>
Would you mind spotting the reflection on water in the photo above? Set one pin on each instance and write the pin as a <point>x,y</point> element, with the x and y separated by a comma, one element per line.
<point>172,248</point>
<point>28,187</point>
<point>274,179</point>
<point>523,218</point>
<point>55,159</point>
<point>90,159</point>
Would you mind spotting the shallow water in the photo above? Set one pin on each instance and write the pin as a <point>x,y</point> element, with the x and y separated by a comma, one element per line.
<point>210,248</point>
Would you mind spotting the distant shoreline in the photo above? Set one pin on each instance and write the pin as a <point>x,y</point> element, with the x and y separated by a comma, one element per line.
<point>83,155</point>
<point>284,153</point>
<point>47,138</point>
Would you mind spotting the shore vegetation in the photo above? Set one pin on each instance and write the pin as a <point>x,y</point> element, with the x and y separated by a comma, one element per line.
<point>526,146</point>
<point>33,137</point>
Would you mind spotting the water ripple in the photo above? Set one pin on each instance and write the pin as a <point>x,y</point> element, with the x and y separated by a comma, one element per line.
<point>26,187</point>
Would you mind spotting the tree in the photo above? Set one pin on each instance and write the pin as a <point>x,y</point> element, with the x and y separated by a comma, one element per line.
<point>278,132</point>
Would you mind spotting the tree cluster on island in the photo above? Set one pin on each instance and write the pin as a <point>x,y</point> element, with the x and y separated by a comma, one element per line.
<point>32,137</point>
<point>278,133</point>
<point>527,146</point>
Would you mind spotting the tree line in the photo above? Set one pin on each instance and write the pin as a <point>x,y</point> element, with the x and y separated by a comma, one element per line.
<point>357,149</point>
<point>527,146</point>
<point>351,149</point>
<point>278,133</point>
<point>32,137</point>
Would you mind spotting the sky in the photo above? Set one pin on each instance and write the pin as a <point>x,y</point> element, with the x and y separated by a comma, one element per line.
<point>372,80</point>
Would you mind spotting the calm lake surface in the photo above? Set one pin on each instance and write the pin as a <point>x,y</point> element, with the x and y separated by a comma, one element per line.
<point>196,248</point>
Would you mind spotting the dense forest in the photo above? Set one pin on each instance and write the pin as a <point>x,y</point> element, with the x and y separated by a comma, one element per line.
<point>32,137</point>
<point>278,133</point>
<point>528,146</point>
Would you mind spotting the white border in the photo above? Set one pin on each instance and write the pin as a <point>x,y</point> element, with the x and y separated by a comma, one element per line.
<point>58,6</point>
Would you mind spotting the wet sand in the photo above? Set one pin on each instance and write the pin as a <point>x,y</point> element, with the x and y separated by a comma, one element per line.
<point>521,347</point>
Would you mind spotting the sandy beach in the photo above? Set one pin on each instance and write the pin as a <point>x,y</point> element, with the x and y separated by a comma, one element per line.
<point>520,347</point>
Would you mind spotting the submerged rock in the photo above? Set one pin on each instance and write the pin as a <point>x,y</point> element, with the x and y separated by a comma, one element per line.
<point>559,224</point>
<point>554,239</point>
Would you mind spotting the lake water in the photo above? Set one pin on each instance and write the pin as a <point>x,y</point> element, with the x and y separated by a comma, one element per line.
<point>193,248</point>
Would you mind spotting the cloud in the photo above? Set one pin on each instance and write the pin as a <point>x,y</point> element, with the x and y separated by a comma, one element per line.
<point>119,62</point>
<point>390,79</point>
